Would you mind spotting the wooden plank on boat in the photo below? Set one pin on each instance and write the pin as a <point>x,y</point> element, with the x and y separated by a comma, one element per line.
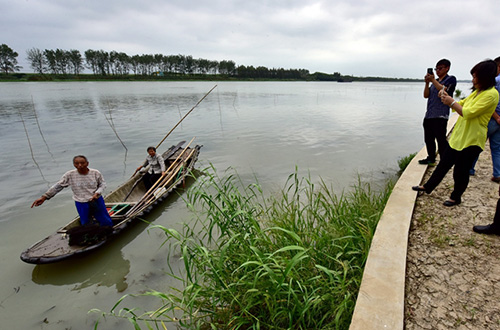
<point>56,246</point>
<point>120,203</point>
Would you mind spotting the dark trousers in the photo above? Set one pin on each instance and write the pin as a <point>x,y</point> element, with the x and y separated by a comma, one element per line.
<point>496,218</point>
<point>435,130</point>
<point>150,179</point>
<point>462,160</point>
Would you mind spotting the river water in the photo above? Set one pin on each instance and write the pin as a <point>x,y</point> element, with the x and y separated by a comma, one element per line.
<point>333,131</point>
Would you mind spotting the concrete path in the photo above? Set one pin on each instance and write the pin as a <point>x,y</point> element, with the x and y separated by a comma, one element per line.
<point>381,299</point>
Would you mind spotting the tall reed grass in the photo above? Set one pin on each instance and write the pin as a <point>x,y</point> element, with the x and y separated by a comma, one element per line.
<point>293,260</point>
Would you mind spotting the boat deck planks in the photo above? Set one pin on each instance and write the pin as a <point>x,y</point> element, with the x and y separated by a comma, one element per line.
<point>128,201</point>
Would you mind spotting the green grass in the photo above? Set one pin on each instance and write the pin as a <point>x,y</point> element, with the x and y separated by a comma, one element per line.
<point>404,161</point>
<point>290,261</point>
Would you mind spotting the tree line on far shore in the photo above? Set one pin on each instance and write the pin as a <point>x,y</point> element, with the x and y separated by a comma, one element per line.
<point>118,64</point>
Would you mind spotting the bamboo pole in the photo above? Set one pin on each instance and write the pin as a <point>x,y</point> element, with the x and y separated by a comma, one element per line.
<point>148,193</point>
<point>166,181</point>
<point>170,153</point>
<point>152,196</point>
<point>180,121</point>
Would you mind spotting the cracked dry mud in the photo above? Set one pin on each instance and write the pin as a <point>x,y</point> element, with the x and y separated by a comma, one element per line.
<point>453,274</point>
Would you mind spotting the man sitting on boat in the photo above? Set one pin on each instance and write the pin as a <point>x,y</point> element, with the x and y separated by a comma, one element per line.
<point>156,170</point>
<point>87,185</point>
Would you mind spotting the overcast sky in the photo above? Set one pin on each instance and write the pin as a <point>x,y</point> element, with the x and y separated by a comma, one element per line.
<point>386,38</point>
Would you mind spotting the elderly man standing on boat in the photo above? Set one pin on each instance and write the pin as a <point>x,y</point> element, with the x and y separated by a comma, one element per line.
<point>87,185</point>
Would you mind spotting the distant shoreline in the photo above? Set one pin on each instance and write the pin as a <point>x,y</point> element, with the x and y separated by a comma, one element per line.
<point>33,77</point>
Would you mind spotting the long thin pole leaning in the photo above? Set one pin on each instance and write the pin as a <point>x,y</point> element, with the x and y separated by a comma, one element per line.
<point>150,191</point>
<point>165,182</point>
<point>149,197</point>
<point>180,121</point>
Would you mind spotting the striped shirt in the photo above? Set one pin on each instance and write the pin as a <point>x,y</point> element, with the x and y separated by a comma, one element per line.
<point>84,186</point>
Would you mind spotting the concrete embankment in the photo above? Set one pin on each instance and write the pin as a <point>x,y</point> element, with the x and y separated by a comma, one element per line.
<point>381,298</point>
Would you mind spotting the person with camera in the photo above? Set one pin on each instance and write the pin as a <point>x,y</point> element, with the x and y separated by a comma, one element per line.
<point>469,134</point>
<point>436,116</point>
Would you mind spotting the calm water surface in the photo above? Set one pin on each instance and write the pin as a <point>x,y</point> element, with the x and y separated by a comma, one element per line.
<point>267,129</point>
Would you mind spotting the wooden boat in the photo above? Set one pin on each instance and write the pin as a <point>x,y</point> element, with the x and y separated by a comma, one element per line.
<point>125,204</point>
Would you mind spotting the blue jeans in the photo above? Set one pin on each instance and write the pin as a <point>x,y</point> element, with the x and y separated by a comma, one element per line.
<point>96,209</point>
<point>494,136</point>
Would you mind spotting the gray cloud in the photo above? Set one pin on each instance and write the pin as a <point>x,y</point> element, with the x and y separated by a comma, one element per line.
<point>390,38</point>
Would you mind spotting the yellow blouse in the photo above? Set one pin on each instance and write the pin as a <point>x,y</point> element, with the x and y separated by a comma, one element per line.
<point>471,128</point>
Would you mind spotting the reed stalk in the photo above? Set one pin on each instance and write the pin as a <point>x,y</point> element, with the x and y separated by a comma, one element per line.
<point>292,260</point>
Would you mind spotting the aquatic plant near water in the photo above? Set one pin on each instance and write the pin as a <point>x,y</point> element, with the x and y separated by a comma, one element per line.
<point>293,260</point>
<point>404,162</point>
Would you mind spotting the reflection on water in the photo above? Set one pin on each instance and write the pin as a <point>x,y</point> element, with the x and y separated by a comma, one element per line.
<point>110,269</point>
<point>264,130</point>
<point>107,265</point>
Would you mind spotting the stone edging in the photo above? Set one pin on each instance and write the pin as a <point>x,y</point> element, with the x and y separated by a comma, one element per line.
<point>380,303</point>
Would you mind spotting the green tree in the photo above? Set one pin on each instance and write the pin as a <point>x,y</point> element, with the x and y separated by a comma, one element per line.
<point>227,67</point>
<point>50,58</point>
<point>213,67</point>
<point>75,61</point>
<point>123,66</point>
<point>262,72</point>
<point>134,63</point>
<point>146,64</point>
<point>37,60</point>
<point>202,66</point>
<point>102,62</point>
<point>158,62</point>
<point>189,64</point>
<point>91,59</point>
<point>8,61</point>
<point>170,63</point>
<point>176,63</point>
<point>119,63</point>
<point>62,60</point>
<point>98,61</point>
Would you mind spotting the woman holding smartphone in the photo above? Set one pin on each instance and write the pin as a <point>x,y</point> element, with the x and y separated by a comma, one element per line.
<point>469,134</point>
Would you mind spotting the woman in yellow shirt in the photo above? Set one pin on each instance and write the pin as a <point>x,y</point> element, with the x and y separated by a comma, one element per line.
<point>469,134</point>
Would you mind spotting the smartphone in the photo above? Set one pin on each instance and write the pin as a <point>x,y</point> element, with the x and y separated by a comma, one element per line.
<point>430,71</point>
